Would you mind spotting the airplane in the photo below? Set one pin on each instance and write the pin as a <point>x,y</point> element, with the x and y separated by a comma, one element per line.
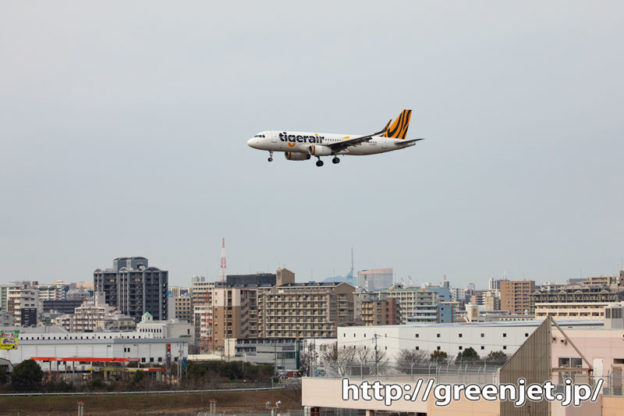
<point>304,145</point>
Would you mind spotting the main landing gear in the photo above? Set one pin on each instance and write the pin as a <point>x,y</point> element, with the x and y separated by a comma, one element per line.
<point>319,162</point>
<point>335,160</point>
<point>270,156</point>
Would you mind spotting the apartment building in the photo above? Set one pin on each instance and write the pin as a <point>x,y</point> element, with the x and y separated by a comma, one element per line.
<point>491,300</point>
<point>515,296</point>
<point>95,315</point>
<point>134,287</point>
<point>183,308</point>
<point>304,310</point>
<point>416,301</point>
<point>202,324</point>
<point>23,304</point>
<point>234,314</point>
<point>52,292</point>
<point>577,296</point>
<point>381,312</point>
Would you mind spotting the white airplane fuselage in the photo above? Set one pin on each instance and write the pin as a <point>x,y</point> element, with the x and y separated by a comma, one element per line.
<point>314,144</point>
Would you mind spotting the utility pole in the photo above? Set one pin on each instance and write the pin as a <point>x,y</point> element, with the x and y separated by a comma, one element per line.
<point>375,355</point>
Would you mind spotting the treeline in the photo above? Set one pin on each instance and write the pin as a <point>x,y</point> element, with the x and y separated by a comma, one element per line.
<point>206,372</point>
<point>29,377</point>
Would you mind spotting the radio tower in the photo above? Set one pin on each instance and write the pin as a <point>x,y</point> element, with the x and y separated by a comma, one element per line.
<point>223,266</point>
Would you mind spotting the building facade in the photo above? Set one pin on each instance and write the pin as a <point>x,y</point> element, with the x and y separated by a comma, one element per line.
<point>304,310</point>
<point>515,296</point>
<point>375,279</point>
<point>381,312</point>
<point>134,288</point>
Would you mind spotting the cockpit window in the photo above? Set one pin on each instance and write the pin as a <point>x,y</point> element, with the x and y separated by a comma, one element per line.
<point>259,135</point>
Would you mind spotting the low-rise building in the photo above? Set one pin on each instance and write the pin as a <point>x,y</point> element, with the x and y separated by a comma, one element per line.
<point>58,350</point>
<point>172,328</point>
<point>282,353</point>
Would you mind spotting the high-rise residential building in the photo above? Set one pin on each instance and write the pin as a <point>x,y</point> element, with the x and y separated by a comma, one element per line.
<point>52,292</point>
<point>183,308</point>
<point>515,296</point>
<point>304,310</point>
<point>201,290</point>
<point>202,323</point>
<point>4,297</point>
<point>491,300</point>
<point>494,284</point>
<point>417,304</point>
<point>134,288</point>
<point>375,279</point>
<point>381,312</point>
<point>234,314</point>
<point>23,304</point>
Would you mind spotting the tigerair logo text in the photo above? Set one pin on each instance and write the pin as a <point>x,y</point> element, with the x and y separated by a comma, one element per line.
<point>293,139</point>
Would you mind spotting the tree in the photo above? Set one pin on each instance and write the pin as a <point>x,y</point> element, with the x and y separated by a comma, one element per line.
<point>498,357</point>
<point>27,376</point>
<point>439,357</point>
<point>339,360</point>
<point>408,359</point>
<point>469,355</point>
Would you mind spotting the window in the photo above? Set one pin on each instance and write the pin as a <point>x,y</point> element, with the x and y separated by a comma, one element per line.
<point>438,335</point>
<point>417,348</point>
<point>504,347</point>
<point>482,347</point>
<point>570,362</point>
<point>461,348</point>
<point>482,335</point>
<point>460,335</point>
<point>504,335</point>
<point>438,348</point>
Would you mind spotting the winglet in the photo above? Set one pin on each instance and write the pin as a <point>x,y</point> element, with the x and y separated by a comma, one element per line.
<point>398,129</point>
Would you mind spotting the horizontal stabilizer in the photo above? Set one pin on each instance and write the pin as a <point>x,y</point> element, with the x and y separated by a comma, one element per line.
<point>403,143</point>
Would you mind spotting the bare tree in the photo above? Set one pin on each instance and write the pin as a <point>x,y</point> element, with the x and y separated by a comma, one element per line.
<point>339,360</point>
<point>407,360</point>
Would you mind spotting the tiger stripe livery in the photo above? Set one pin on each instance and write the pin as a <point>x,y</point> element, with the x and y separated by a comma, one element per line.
<point>398,129</point>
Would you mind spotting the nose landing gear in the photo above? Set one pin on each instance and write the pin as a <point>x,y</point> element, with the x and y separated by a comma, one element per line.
<point>270,159</point>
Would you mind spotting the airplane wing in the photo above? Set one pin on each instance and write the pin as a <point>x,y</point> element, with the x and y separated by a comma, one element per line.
<point>341,145</point>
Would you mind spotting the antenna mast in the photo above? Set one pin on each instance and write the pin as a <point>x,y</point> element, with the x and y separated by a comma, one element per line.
<point>223,265</point>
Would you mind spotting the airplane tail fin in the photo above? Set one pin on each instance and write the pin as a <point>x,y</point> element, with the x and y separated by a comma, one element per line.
<point>398,128</point>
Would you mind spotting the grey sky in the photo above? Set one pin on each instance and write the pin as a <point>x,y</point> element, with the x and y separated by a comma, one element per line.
<point>123,129</point>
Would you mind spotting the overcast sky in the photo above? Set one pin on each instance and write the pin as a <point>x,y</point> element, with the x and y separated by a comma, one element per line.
<point>123,129</point>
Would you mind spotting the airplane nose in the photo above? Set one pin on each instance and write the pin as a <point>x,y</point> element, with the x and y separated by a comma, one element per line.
<point>253,142</point>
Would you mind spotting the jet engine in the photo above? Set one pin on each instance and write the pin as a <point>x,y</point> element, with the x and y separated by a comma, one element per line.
<point>297,156</point>
<point>319,150</point>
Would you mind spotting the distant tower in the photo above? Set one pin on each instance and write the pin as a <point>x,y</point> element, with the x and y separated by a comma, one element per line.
<point>223,266</point>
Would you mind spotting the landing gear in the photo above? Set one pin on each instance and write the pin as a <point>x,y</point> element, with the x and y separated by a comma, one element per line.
<point>335,160</point>
<point>270,159</point>
<point>319,163</point>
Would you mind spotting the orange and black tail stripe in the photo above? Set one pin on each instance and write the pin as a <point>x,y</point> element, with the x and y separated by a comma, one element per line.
<point>398,129</point>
